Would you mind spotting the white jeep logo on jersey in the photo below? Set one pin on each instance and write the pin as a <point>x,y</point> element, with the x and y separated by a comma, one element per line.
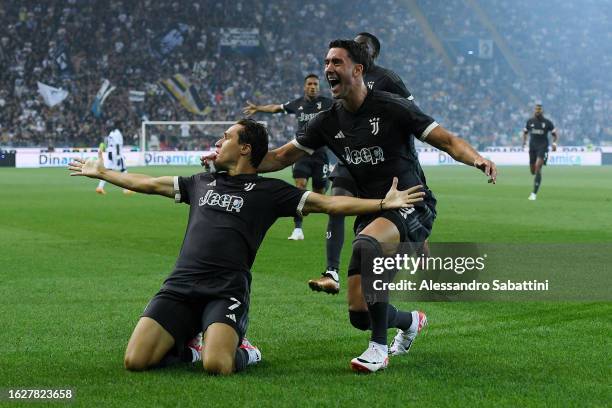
<point>374,124</point>
<point>229,202</point>
<point>248,186</point>
<point>371,155</point>
<point>370,84</point>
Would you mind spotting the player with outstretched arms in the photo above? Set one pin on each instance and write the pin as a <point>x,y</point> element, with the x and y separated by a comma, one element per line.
<point>315,166</point>
<point>373,133</point>
<point>230,213</point>
<point>537,127</point>
<point>343,184</point>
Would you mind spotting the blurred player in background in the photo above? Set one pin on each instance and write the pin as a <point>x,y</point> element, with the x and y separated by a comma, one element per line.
<point>231,211</point>
<point>343,184</point>
<point>113,157</point>
<point>315,166</point>
<point>537,128</point>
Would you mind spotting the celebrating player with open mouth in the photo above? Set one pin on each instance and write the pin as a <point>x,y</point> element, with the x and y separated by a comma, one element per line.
<point>231,211</point>
<point>373,132</point>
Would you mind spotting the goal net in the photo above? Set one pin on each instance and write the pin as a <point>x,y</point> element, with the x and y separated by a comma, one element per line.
<point>179,142</point>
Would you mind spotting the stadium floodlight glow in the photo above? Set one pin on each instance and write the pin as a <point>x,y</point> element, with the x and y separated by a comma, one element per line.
<point>145,134</point>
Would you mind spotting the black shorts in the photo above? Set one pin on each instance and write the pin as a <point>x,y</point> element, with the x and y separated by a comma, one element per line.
<point>341,178</point>
<point>540,152</point>
<point>184,316</point>
<point>315,167</point>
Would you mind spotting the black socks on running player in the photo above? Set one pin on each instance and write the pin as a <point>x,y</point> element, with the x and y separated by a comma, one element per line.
<point>381,314</point>
<point>536,182</point>
<point>335,240</point>
<point>297,220</point>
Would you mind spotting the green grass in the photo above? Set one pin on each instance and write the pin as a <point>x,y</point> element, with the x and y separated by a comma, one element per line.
<point>77,269</point>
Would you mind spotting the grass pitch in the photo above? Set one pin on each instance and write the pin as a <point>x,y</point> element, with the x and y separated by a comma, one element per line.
<point>77,269</point>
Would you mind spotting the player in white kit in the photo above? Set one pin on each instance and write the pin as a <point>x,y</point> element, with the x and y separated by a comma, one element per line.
<point>113,157</point>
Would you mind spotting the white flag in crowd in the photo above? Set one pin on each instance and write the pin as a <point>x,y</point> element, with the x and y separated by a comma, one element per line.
<point>51,95</point>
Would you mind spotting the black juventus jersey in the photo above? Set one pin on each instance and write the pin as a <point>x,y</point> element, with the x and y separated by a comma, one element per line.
<point>305,109</point>
<point>538,129</point>
<point>376,143</point>
<point>383,79</point>
<point>228,219</point>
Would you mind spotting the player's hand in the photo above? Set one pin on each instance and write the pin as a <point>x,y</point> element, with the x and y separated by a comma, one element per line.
<point>402,199</point>
<point>89,168</point>
<point>554,147</point>
<point>250,109</point>
<point>208,158</point>
<point>487,167</point>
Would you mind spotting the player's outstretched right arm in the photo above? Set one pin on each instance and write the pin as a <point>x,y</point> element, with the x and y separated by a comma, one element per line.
<point>251,108</point>
<point>141,183</point>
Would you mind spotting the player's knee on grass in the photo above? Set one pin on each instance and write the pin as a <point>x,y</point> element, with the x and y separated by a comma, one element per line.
<point>218,362</point>
<point>221,342</point>
<point>360,320</point>
<point>148,345</point>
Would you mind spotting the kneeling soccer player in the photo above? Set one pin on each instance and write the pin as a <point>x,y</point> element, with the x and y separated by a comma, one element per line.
<point>230,213</point>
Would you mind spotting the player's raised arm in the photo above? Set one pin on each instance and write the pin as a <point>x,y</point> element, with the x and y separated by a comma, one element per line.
<point>251,108</point>
<point>343,205</point>
<point>136,182</point>
<point>461,151</point>
<point>280,158</point>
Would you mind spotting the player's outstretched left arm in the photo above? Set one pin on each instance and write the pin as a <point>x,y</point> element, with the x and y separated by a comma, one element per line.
<point>461,151</point>
<point>94,168</point>
<point>340,205</point>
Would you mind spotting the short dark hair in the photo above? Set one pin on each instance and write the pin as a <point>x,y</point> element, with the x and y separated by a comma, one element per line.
<point>375,42</point>
<point>358,53</point>
<point>256,135</point>
<point>311,76</point>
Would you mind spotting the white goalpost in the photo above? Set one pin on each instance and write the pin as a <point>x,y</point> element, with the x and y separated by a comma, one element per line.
<point>182,131</point>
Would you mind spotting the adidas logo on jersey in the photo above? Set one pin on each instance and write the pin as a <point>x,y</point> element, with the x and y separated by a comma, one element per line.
<point>228,202</point>
<point>370,84</point>
<point>231,317</point>
<point>212,183</point>
<point>339,135</point>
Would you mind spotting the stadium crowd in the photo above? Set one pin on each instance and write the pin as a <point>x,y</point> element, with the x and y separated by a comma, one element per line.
<point>75,45</point>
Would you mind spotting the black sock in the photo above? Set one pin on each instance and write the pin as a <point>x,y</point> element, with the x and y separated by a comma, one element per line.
<point>242,359</point>
<point>398,319</point>
<point>297,220</point>
<point>335,240</point>
<point>537,181</point>
<point>378,321</point>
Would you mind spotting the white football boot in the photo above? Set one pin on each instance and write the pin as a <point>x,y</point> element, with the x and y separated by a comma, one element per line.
<point>252,351</point>
<point>532,197</point>
<point>403,339</point>
<point>372,360</point>
<point>297,235</point>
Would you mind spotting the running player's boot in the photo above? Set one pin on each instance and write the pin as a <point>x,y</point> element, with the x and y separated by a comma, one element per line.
<point>297,235</point>
<point>532,197</point>
<point>328,282</point>
<point>253,352</point>
<point>100,191</point>
<point>403,339</point>
<point>372,360</point>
